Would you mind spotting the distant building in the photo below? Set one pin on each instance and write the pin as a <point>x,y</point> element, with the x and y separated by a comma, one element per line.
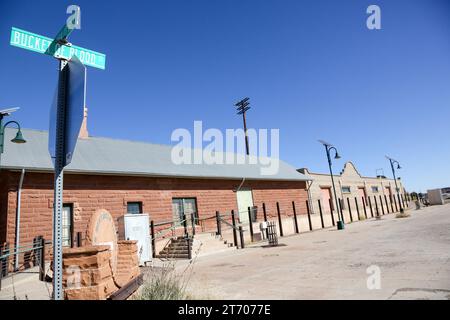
<point>446,193</point>
<point>350,184</point>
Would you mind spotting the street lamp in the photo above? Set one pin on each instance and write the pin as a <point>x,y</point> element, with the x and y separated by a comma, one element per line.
<point>18,138</point>
<point>393,162</point>
<point>329,147</point>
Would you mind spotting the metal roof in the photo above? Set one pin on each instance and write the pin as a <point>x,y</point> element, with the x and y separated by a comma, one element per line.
<point>121,157</point>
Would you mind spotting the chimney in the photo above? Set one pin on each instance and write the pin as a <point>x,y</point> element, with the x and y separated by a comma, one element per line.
<point>84,134</point>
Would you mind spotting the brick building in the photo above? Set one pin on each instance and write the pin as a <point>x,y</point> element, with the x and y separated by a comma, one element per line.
<point>125,176</point>
<point>350,184</point>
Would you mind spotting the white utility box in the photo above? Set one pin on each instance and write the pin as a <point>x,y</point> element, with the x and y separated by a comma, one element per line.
<point>137,227</point>
<point>435,197</point>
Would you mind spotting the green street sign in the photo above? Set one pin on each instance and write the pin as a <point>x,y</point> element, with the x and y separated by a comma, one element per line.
<point>34,42</point>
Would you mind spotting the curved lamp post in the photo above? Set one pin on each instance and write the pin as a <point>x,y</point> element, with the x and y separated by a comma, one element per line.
<point>17,139</point>
<point>329,147</point>
<point>393,162</point>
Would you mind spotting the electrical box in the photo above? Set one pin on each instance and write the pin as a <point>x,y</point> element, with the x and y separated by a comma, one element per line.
<point>137,227</point>
<point>435,197</point>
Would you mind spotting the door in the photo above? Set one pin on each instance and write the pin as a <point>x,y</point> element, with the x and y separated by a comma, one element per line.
<point>325,199</point>
<point>362,194</point>
<point>244,200</point>
<point>184,208</point>
<point>388,191</point>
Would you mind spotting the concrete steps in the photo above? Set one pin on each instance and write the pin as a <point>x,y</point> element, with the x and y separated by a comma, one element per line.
<point>178,248</point>
<point>209,243</point>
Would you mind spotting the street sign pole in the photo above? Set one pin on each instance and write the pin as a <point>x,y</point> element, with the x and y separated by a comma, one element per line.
<point>59,178</point>
<point>66,117</point>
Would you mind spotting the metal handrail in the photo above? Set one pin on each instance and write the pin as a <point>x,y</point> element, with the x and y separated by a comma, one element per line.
<point>14,252</point>
<point>164,222</point>
<point>158,234</point>
<point>229,224</point>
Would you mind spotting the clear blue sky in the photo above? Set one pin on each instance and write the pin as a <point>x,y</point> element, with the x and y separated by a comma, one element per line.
<point>311,68</point>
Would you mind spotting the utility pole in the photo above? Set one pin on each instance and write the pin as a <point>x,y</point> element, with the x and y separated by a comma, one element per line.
<point>242,107</point>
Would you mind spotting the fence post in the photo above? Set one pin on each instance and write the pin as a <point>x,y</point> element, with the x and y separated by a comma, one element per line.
<point>152,235</point>
<point>340,201</point>
<point>233,220</point>
<point>295,217</point>
<point>193,223</point>
<point>376,206</point>
<point>219,226</point>
<point>381,204</point>
<point>349,209</point>
<point>264,212</point>
<point>387,205</point>
<point>250,221</point>
<point>309,215</point>
<point>241,234</point>
<point>331,211</point>
<point>79,239</point>
<point>364,206</point>
<point>6,250</point>
<point>357,207</point>
<point>370,205</point>
<point>42,259</point>
<point>321,214</point>
<point>185,225</point>
<point>189,248</point>
<point>279,219</point>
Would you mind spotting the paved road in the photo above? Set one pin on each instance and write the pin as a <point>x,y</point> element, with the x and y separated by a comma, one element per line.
<point>412,255</point>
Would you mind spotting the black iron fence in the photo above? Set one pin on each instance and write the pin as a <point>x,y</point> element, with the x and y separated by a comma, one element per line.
<point>15,259</point>
<point>356,209</point>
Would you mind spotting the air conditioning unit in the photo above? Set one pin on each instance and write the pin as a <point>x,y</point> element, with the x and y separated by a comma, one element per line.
<point>137,227</point>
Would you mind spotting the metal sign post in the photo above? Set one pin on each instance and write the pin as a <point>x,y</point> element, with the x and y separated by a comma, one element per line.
<point>58,192</point>
<point>66,117</point>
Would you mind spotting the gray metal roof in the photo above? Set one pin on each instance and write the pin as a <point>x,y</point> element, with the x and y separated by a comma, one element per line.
<point>120,157</point>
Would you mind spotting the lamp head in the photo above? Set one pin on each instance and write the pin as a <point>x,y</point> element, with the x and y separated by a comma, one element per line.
<point>337,156</point>
<point>398,167</point>
<point>18,138</point>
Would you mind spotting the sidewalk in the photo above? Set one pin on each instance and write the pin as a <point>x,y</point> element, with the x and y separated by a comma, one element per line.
<point>25,285</point>
<point>412,255</point>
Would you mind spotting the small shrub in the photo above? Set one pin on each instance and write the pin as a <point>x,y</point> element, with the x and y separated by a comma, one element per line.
<point>163,285</point>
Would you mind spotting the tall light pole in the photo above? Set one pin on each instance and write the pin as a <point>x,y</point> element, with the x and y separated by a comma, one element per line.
<point>393,162</point>
<point>18,138</point>
<point>242,107</point>
<point>329,147</point>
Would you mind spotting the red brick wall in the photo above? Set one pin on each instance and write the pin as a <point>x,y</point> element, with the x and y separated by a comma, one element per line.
<point>90,192</point>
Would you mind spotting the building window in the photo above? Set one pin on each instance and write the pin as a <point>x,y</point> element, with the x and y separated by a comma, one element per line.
<point>346,190</point>
<point>374,189</point>
<point>67,226</point>
<point>134,207</point>
<point>184,208</point>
